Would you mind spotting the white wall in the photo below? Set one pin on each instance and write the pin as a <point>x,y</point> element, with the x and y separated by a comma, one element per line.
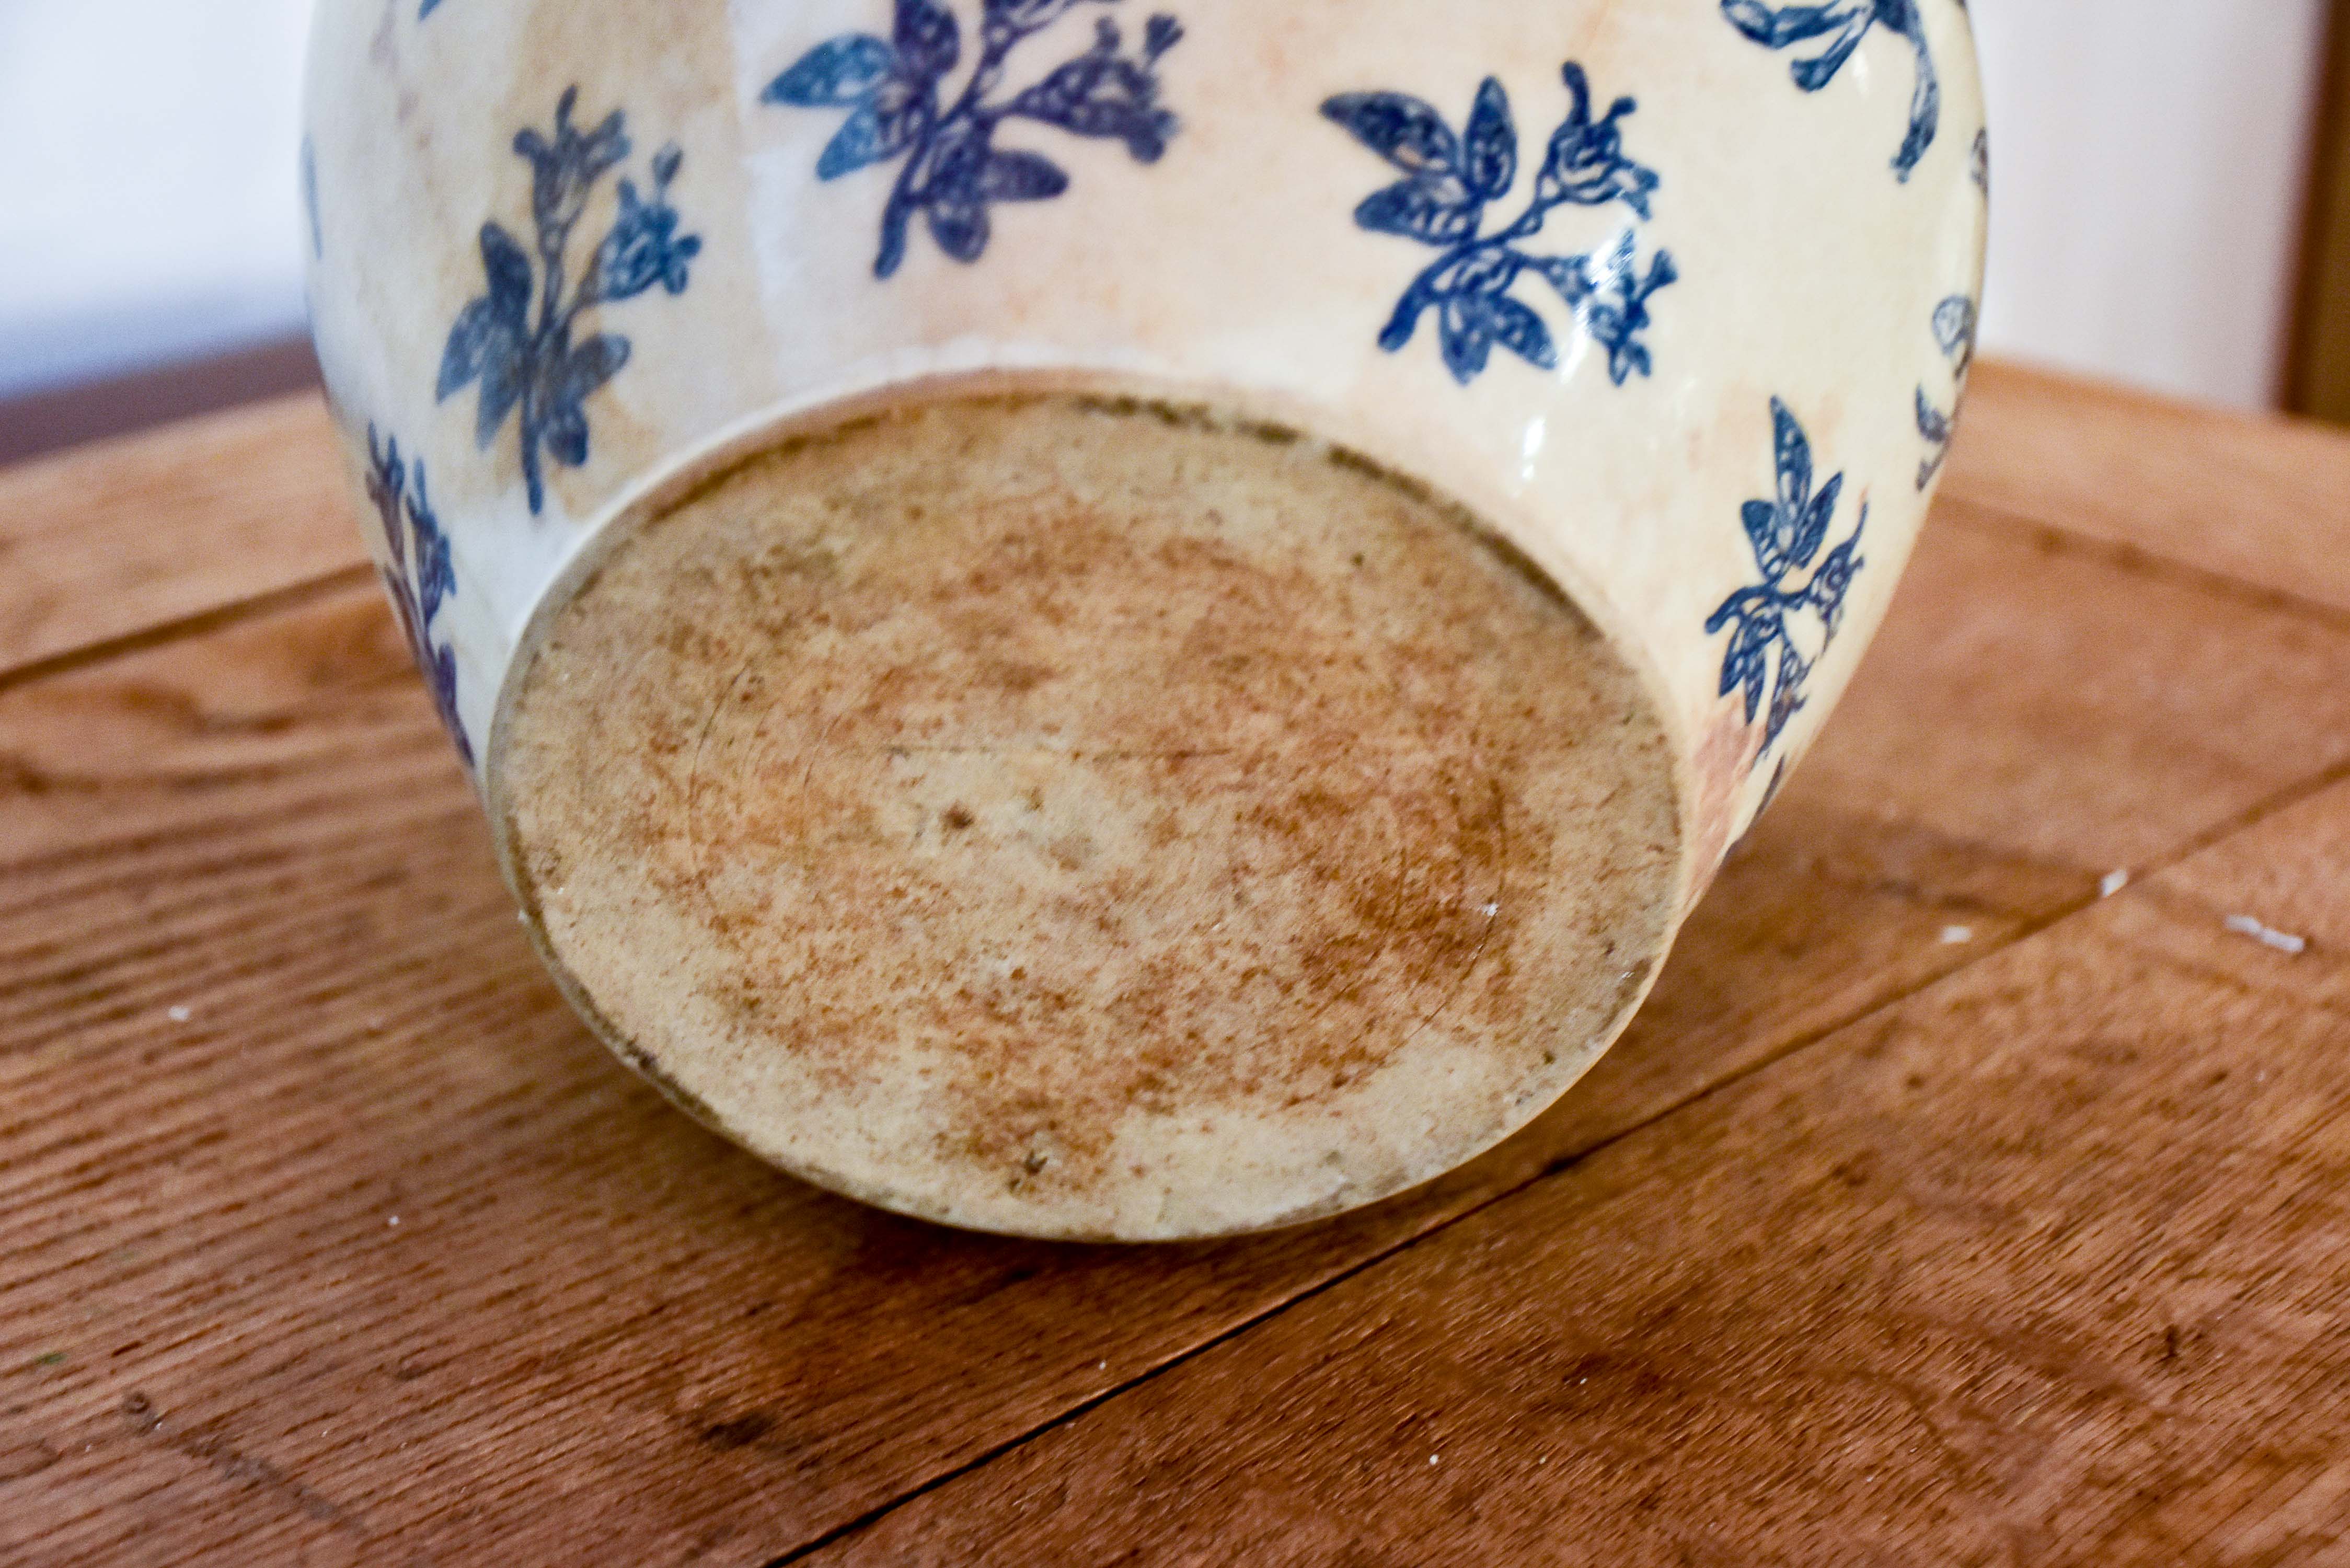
<point>2148,183</point>
<point>2148,169</point>
<point>151,208</point>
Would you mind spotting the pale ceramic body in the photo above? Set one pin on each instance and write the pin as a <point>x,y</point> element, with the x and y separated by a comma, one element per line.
<point>1824,233</point>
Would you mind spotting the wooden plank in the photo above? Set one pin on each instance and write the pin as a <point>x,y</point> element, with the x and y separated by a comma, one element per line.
<point>2263,500</point>
<point>121,536</point>
<point>595,1331</point>
<point>257,503</point>
<point>2043,1266</point>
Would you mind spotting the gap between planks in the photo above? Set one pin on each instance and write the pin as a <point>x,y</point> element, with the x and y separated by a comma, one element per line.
<point>202,623</point>
<point>1993,519</point>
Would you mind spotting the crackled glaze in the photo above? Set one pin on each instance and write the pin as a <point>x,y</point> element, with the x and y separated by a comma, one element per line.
<point>1204,228</point>
<point>570,249</point>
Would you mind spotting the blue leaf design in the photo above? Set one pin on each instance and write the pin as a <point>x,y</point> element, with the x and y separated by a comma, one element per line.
<point>953,171</point>
<point>1845,23</point>
<point>1451,178</point>
<point>1490,149</point>
<point>1812,531</point>
<point>1570,276</point>
<point>582,374</point>
<point>1932,422</point>
<point>566,168</point>
<point>1585,164</point>
<point>1787,700</point>
<point>644,247</point>
<point>1813,75</point>
<point>1102,94</point>
<point>506,370</point>
<point>1833,582</point>
<point>508,269</point>
<point>1436,210</point>
<point>1468,340</point>
<point>422,576</point>
<point>878,130</point>
<point>1620,313</point>
<point>961,228</point>
<point>524,360</point>
<point>835,74</point>
<point>1160,34</point>
<point>1486,271</point>
<point>1793,451</point>
<point>1020,176</point>
<point>1749,664</point>
<point>1405,322</point>
<point>1516,328</point>
<point>1776,27</point>
<point>478,337</point>
<point>1407,132</point>
<point>1025,15</point>
<point>929,41</point>
<point>1762,519</point>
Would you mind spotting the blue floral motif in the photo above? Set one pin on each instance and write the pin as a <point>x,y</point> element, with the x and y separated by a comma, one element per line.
<point>1449,178</point>
<point>954,173</point>
<point>532,365</point>
<point>422,578</point>
<point>1843,23</point>
<point>1954,334</point>
<point>1786,534</point>
<point>427,9</point>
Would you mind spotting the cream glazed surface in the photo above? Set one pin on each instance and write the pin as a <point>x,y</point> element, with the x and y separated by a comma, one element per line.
<point>1645,320</point>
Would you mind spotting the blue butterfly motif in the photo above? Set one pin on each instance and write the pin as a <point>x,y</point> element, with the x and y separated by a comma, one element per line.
<point>1786,534</point>
<point>1954,334</point>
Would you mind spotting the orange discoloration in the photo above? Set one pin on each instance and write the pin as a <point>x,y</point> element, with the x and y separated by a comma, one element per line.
<point>1051,779</point>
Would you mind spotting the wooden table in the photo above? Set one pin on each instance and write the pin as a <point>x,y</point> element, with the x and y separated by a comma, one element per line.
<point>1940,1210</point>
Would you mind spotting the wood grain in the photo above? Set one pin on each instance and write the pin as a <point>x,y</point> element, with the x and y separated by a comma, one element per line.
<point>596,1330</point>
<point>2264,501</point>
<point>2041,1266</point>
<point>122,537</point>
<point>261,994</point>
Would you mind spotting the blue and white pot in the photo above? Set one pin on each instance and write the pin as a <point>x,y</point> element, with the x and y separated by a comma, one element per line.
<point>1103,623</point>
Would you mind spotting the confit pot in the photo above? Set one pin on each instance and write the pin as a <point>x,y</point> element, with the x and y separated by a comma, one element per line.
<point>1105,623</point>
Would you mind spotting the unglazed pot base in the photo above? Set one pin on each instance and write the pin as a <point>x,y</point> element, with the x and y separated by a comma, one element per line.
<point>1086,817</point>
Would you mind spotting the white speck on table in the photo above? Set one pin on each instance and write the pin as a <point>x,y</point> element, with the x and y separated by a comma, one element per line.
<point>2268,936</point>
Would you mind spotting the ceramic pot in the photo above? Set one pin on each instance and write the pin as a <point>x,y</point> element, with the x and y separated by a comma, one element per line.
<point>1107,623</point>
